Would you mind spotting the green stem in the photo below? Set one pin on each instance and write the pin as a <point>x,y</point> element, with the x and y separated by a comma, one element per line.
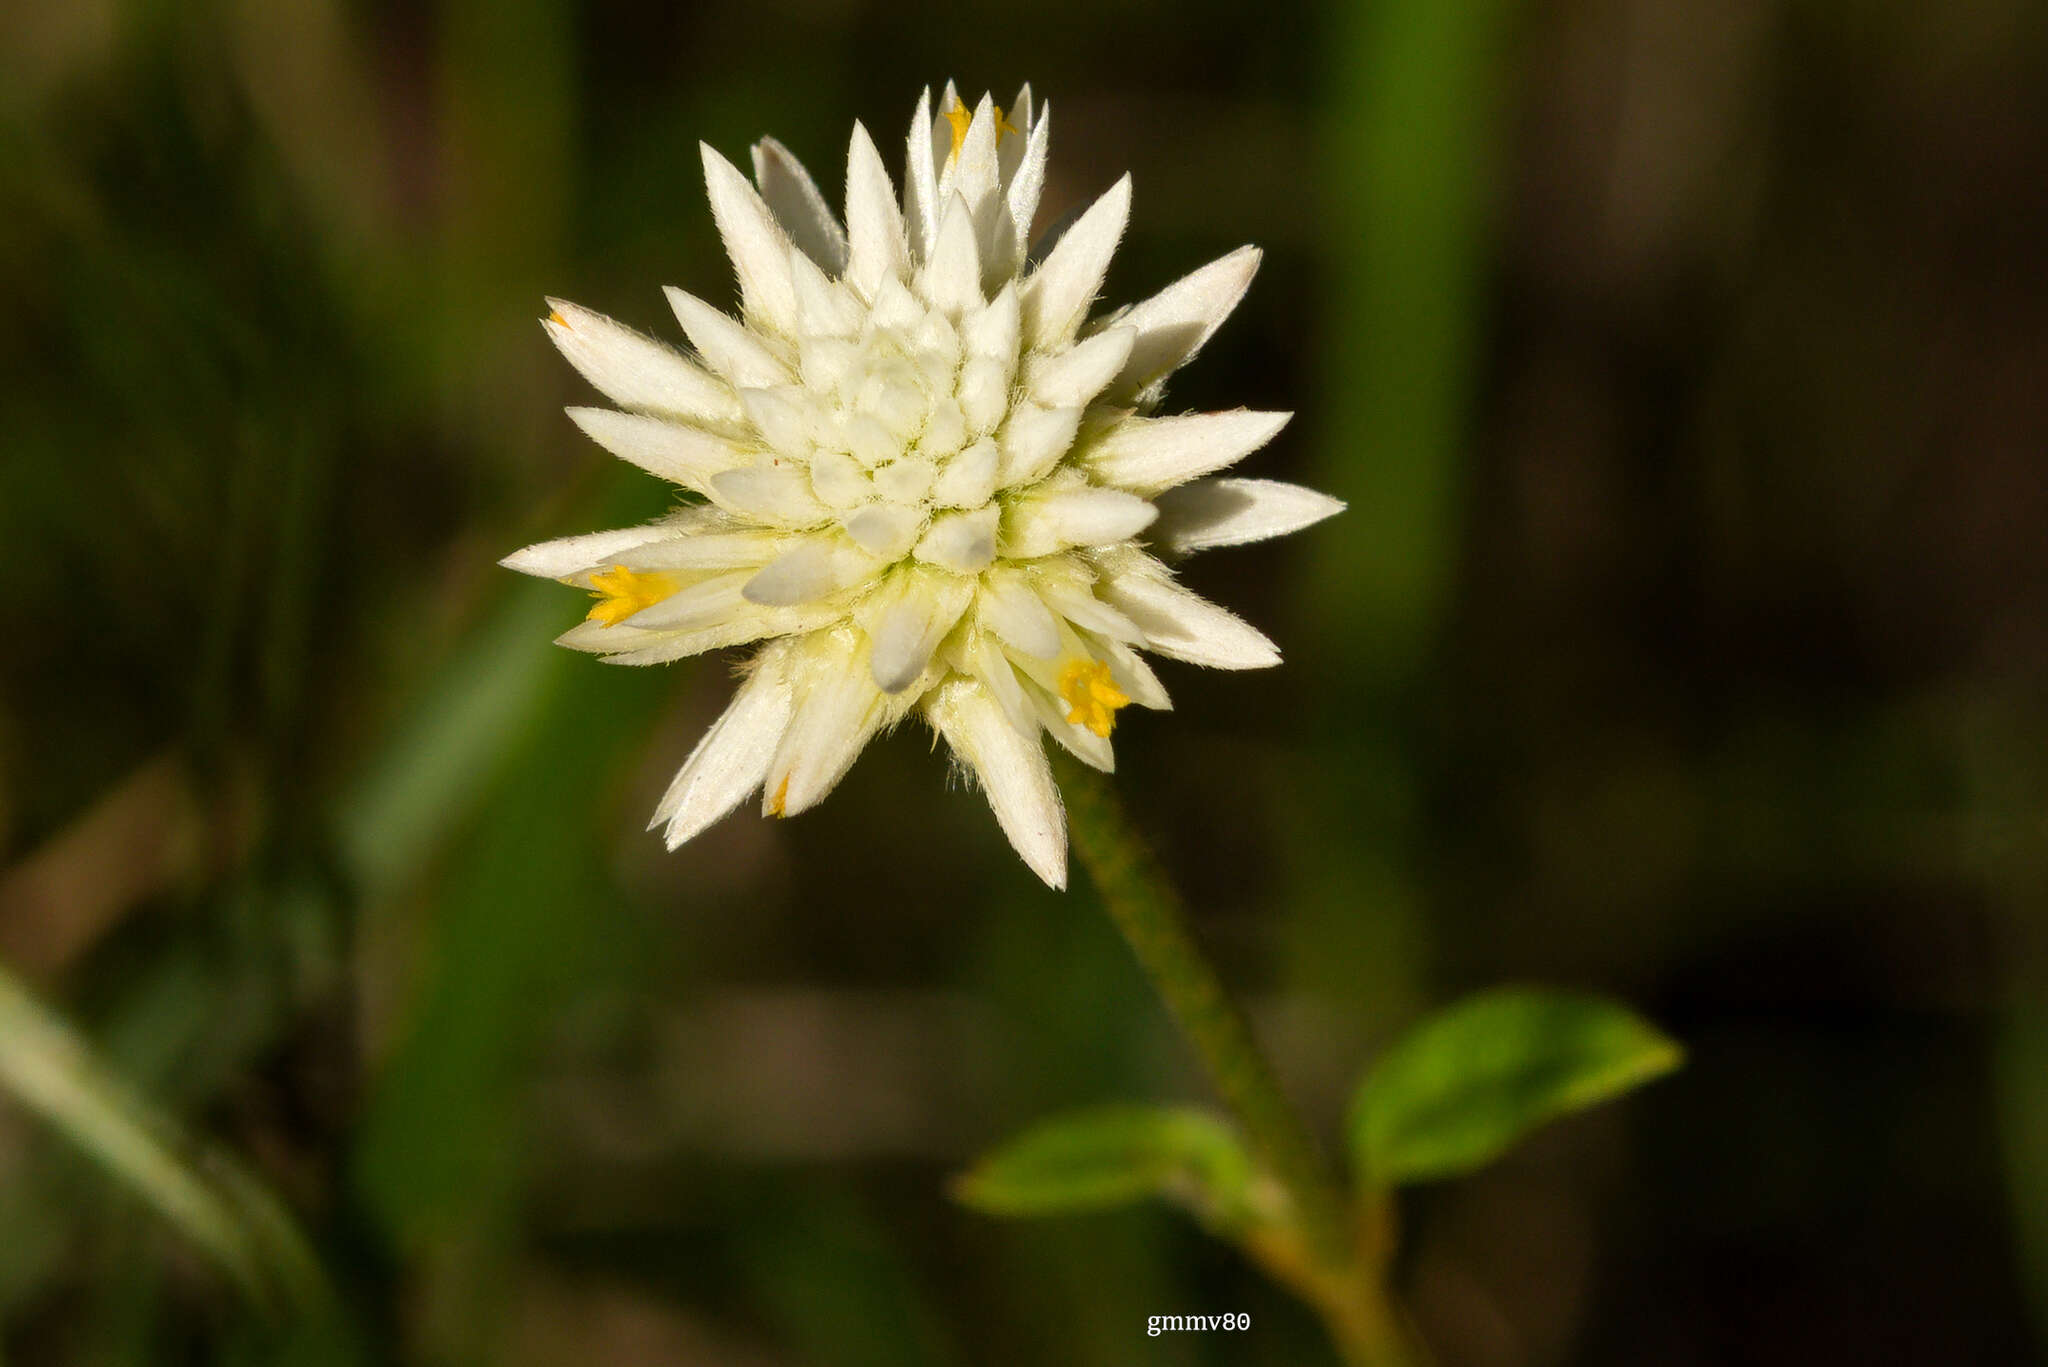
<point>1335,1266</point>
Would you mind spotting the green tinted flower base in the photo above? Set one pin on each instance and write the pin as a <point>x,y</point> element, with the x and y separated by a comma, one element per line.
<point>1326,1252</point>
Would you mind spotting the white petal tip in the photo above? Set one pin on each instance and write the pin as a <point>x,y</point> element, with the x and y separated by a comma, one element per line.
<point>1053,875</point>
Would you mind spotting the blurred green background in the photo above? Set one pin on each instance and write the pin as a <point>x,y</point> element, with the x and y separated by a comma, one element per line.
<point>1684,362</point>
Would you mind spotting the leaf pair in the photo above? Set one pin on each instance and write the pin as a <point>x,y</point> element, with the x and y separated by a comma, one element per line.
<point>1450,1096</point>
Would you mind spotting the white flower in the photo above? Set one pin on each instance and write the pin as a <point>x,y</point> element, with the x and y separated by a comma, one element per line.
<point>928,481</point>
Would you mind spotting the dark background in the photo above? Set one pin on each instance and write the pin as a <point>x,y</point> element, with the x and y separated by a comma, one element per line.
<point>1684,363</point>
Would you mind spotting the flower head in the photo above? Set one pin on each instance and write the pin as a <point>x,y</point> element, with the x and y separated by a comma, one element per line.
<point>924,478</point>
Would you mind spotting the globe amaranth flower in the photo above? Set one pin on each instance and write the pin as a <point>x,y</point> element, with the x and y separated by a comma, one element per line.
<point>928,482</point>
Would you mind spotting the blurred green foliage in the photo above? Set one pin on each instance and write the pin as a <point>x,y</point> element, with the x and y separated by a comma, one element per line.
<point>1682,364</point>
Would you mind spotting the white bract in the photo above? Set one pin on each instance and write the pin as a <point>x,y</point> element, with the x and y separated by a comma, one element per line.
<point>921,475</point>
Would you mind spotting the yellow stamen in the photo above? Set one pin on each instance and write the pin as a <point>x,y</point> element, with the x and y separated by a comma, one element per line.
<point>962,119</point>
<point>1093,696</point>
<point>781,798</point>
<point>622,592</point>
<point>555,317</point>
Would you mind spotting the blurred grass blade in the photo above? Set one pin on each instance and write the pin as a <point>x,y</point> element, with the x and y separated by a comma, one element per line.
<point>503,772</point>
<point>1412,142</point>
<point>445,754</point>
<point>1114,1156</point>
<point>1412,139</point>
<point>226,1212</point>
<point>1461,1088</point>
<point>472,719</point>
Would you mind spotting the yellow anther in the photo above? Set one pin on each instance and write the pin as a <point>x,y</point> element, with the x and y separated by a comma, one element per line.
<point>781,798</point>
<point>555,317</point>
<point>1092,694</point>
<point>622,592</point>
<point>962,119</point>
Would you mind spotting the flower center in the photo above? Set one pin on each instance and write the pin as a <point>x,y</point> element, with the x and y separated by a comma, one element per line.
<point>895,426</point>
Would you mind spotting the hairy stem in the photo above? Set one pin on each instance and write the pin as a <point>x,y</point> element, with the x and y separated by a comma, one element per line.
<point>1323,1260</point>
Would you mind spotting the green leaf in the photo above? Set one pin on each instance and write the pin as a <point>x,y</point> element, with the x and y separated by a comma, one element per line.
<point>1462,1087</point>
<point>1114,1156</point>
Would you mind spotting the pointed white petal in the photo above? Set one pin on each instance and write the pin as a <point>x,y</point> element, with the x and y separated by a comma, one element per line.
<point>838,480</point>
<point>704,551</point>
<point>838,710</point>
<point>969,479</point>
<point>700,605</point>
<point>825,307</point>
<point>964,543</point>
<point>729,761</point>
<point>1013,772</point>
<point>895,307</point>
<point>999,238</point>
<point>779,416</point>
<point>778,495</point>
<point>906,480</point>
<point>869,441</point>
<point>1027,183</point>
<point>1075,517</point>
<point>726,346</point>
<point>886,531</point>
<point>1231,512</point>
<point>951,279</point>
<point>1092,750</point>
<point>564,556</point>
<point>937,336</point>
<point>636,371</point>
<point>622,645</point>
<point>1186,626</point>
<point>987,663</point>
<point>1015,612</point>
<point>792,196</point>
<point>920,182</point>
<point>992,332</point>
<point>829,365</point>
<point>1078,374</point>
<point>1128,670</point>
<point>876,247</point>
<point>1059,292</point>
<point>911,627</point>
<point>1021,115</point>
<point>1079,605</point>
<point>945,429</point>
<point>1033,441</point>
<point>972,174</point>
<point>1150,455</point>
<point>984,394</point>
<point>688,456</point>
<point>810,570</point>
<point>1173,324</point>
<point>755,242</point>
